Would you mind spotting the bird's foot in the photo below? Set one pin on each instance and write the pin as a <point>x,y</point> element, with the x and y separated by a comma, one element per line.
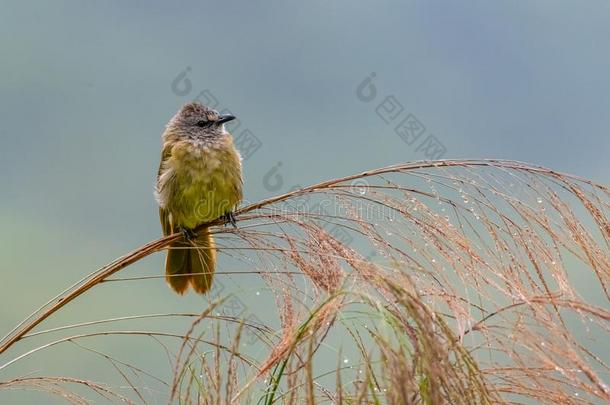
<point>230,218</point>
<point>188,234</point>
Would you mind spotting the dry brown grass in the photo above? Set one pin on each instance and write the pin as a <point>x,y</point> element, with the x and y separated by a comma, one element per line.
<point>471,295</point>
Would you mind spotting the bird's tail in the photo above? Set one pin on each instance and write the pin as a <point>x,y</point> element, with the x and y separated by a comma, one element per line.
<point>191,262</point>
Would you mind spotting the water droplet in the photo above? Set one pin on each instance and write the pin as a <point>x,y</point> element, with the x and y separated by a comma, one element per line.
<point>345,361</point>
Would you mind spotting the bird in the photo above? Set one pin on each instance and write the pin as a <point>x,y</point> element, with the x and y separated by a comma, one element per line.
<point>199,181</point>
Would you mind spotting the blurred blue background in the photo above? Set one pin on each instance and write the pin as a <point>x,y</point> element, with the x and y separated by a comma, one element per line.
<point>86,89</point>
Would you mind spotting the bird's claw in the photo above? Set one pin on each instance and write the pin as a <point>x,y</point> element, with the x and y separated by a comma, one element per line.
<point>188,234</point>
<point>230,218</point>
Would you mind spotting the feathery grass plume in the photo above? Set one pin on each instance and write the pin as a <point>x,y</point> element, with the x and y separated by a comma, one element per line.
<point>444,282</point>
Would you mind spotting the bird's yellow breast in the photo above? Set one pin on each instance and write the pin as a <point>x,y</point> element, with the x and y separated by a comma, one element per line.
<point>204,181</point>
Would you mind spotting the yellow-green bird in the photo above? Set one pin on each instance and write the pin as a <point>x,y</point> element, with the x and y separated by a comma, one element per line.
<point>199,180</point>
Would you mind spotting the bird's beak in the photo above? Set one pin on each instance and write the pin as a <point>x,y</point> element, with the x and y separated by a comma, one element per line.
<point>225,118</point>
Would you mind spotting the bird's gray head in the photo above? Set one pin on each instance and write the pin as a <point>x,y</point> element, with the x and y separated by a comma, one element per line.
<point>198,122</point>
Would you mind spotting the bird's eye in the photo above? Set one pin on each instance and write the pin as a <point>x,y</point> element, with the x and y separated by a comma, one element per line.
<point>202,123</point>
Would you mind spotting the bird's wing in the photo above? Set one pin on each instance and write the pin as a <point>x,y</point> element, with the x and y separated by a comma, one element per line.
<point>165,222</point>
<point>163,213</point>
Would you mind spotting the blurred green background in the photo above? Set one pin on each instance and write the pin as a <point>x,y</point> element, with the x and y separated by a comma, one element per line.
<point>86,88</point>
